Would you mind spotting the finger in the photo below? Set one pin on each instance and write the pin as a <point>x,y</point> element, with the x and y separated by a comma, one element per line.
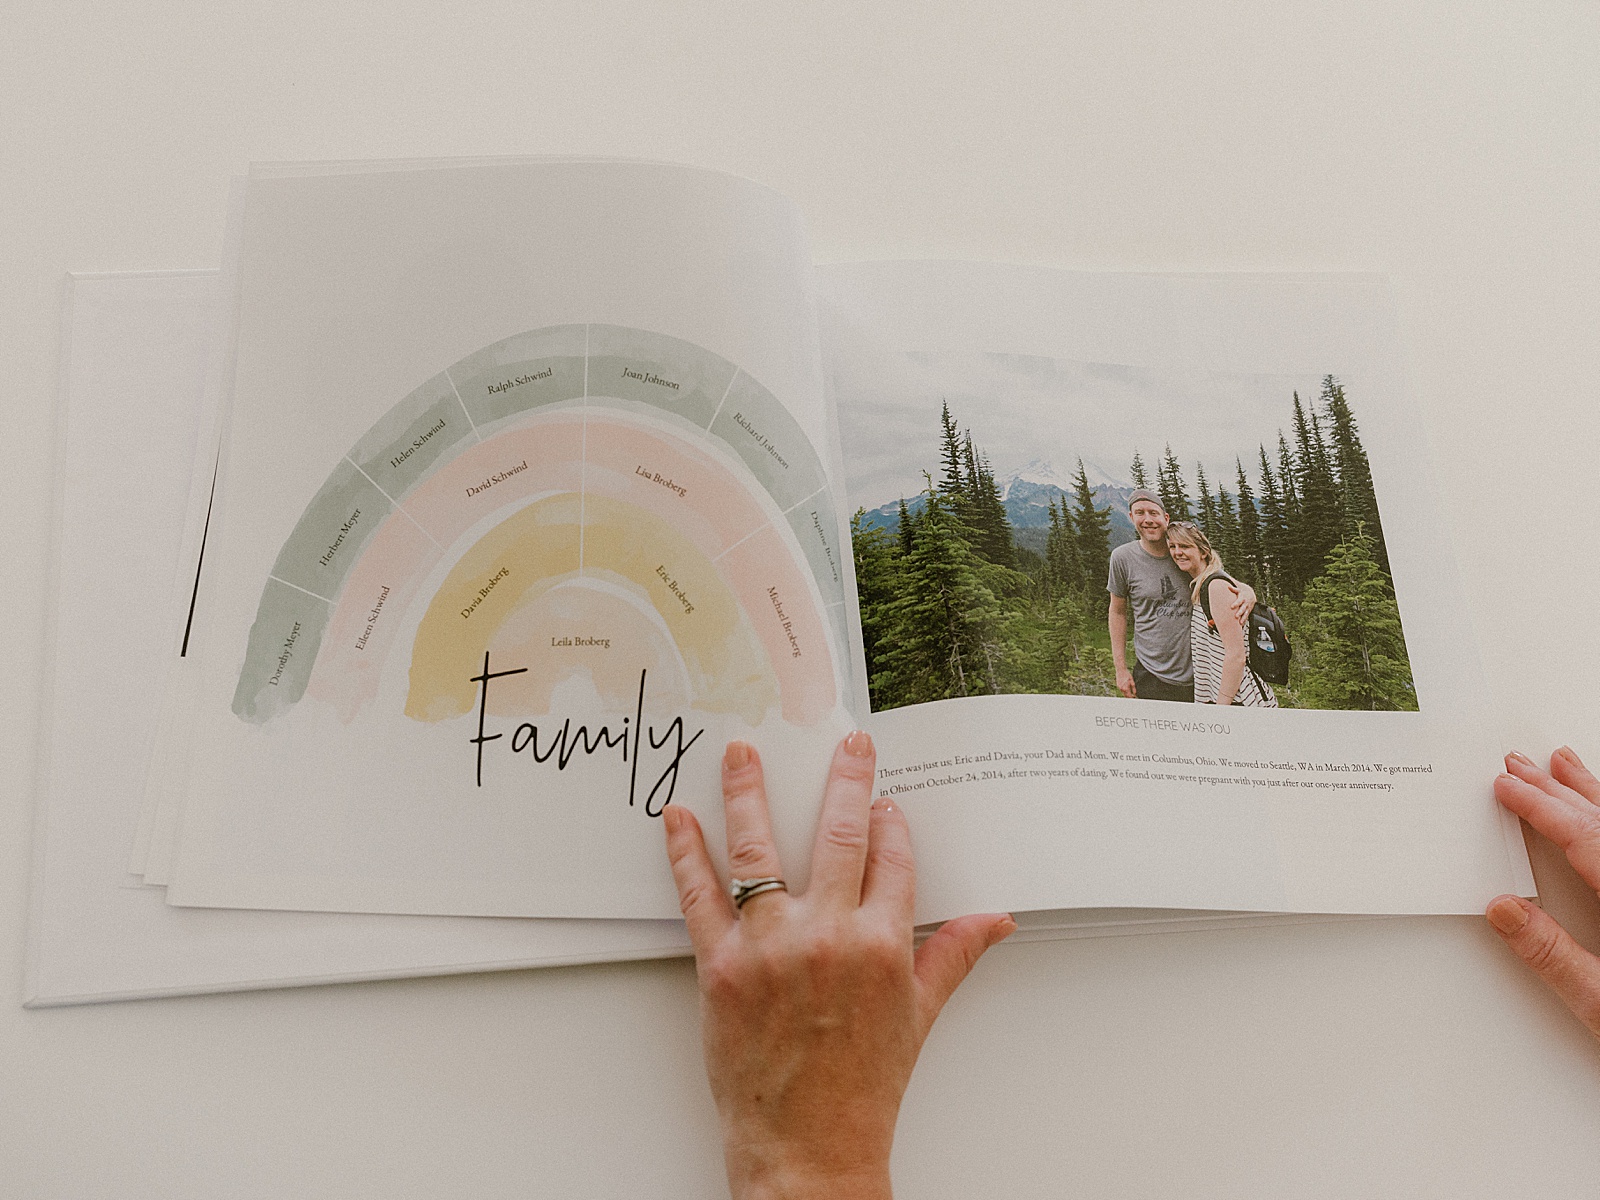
<point>706,908</point>
<point>890,880</point>
<point>839,853</point>
<point>1568,768</point>
<point>1559,813</point>
<point>751,854</point>
<point>948,957</point>
<point>1529,772</point>
<point>1525,769</point>
<point>1538,940</point>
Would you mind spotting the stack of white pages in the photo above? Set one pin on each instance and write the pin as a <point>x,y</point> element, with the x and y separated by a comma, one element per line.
<point>412,564</point>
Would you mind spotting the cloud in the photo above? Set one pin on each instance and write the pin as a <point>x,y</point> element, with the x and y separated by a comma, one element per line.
<point>1024,407</point>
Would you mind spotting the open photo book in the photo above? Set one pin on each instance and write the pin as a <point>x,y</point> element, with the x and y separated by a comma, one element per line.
<point>523,487</point>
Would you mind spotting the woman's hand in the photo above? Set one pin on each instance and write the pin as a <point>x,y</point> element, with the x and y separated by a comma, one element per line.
<point>1564,805</point>
<point>814,1007</point>
<point>1244,602</point>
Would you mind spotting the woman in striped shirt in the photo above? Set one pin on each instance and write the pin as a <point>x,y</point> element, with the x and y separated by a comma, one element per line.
<point>1222,673</point>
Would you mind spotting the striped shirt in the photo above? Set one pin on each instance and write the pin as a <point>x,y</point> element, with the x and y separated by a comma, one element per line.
<point>1206,649</point>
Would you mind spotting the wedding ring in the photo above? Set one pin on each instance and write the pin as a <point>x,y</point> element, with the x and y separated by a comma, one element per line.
<point>742,889</point>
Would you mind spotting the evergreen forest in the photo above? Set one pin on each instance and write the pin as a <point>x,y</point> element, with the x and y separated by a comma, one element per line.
<point>953,603</point>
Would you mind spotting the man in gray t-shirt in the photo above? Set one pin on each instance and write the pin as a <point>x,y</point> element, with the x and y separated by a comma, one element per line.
<point>1146,581</point>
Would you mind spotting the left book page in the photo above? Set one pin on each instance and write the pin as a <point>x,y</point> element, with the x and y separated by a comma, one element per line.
<point>525,507</point>
<point>129,416</point>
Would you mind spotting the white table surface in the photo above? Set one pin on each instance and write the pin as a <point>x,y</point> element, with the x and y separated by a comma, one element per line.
<point>1454,146</point>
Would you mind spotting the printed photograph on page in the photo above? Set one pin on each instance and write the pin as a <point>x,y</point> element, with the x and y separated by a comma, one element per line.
<point>1035,525</point>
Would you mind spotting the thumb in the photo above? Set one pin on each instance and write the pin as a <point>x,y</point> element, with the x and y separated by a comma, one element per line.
<point>948,957</point>
<point>1538,940</point>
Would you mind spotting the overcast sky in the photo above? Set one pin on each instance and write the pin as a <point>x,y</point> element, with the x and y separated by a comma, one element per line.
<point>1021,408</point>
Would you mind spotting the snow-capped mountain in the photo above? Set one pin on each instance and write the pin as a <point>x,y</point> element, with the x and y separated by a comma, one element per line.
<point>1045,474</point>
<point>1027,494</point>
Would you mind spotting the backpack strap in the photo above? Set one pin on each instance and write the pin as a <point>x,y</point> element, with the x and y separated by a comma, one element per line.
<point>1250,672</point>
<point>1205,593</point>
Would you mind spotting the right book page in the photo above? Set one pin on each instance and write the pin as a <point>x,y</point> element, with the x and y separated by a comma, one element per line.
<point>1042,465</point>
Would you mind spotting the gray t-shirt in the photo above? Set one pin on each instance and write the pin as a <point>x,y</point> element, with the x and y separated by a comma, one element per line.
<point>1158,597</point>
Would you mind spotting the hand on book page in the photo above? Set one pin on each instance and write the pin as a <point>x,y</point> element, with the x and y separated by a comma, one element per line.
<point>1564,805</point>
<point>814,1007</point>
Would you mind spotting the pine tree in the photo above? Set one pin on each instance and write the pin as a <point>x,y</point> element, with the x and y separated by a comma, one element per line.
<point>878,584</point>
<point>1062,641</point>
<point>943,625</point>
<point>1291,501</point>
<point>1327,482</point>
<point>1140,479</point>
<point>1355,654</point>
<point>1169,485</point>
<point>1248,550</point>
<point>1274,549</point>
<point>1071,557</point>
<point>970,495</point>
<point>1093,534</point>
<point>952,483</point>
<point>1295,558</point>
<point>1050,577</point>
<point>1228,538</point>
<point>987,515</point>
<point>1359,498</point>
<point>1062,566</point>
<point>1320,511</point>
<point>907,528</point>
<point>1208,506</point>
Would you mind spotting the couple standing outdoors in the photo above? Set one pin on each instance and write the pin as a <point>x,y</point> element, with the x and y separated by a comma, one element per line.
<point>1189,616</point>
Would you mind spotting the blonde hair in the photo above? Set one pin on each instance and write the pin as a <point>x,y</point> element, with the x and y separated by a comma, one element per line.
<point>1191,534</point>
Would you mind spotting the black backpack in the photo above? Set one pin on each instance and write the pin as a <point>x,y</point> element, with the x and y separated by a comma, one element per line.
<point>1267,637</point>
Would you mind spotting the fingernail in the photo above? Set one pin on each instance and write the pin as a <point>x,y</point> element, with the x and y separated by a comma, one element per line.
<point>858,743</point>
<point>1567,753</point>
<point>671,818</point>
<point>1508,778</point>
<point>1521,758</point>
<point>735,756</point>
<point>1507,914</point>
<point>883,804</point>
<point>1003,929</point>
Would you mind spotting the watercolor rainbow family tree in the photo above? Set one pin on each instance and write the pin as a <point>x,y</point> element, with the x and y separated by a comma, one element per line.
<point>583,500</point>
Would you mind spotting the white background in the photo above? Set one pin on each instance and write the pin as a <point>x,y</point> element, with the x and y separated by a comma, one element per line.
<point>1452,146</point>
